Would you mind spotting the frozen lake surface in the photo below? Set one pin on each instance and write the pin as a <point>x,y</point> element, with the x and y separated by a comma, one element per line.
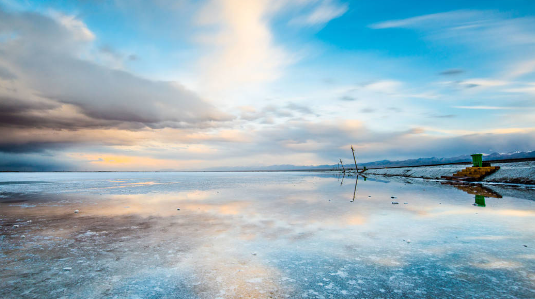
<point>261,235</point>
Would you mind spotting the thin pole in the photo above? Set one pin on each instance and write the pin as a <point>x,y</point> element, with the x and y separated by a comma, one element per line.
<point>354,159</point>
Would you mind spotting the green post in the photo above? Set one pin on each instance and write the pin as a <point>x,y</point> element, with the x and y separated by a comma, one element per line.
<point>477,160</point>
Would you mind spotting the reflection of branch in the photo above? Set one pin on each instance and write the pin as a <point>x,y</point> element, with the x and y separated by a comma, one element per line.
<point>343,179</point>
<point>355,191</point>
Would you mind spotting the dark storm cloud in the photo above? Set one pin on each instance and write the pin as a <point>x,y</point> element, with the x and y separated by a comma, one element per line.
<point>31,147</point>
<point>12,105</point>
<point>44,52</point>
<point>32,162</point>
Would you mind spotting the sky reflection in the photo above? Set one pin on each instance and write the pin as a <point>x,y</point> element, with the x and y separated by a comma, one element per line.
<point>261,235</point>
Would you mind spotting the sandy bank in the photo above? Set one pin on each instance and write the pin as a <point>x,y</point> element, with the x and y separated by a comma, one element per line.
<point>516,172</point>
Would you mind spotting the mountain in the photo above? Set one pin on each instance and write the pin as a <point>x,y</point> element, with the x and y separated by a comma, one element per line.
<point>387,163</point>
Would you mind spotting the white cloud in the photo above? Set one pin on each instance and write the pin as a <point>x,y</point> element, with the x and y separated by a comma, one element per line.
<point>431,20</point>
<point>78,28</point>
<point>326,11</point>
<point>241,50</point>
<point>477,82</point>
<point>385,86</point>
<point>470,26</point>
<point>522,68</point>
<point>484,107</point>
<point>529,88</point>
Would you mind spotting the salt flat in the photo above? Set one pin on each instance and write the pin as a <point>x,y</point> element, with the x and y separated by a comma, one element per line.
<point>260,235</point>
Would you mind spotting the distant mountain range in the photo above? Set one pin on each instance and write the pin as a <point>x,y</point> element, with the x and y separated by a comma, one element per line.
<point>388,163</point>
<point>435,160</point>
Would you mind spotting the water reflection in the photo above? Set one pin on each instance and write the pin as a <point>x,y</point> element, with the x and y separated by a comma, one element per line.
<point>475,189</point>
<point>480,201</point>
<point>265,235</point>
<point>355,190</point>
<point>478,190</point>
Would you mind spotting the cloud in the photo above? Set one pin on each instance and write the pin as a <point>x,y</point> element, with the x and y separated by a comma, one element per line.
<point>451,72</point>
<point>51,98</point>
<point>240,46</point>
<point>33,162</point>
<point>63,92</point>
<point>479,83</point>
<point>521,69</point>
<point>78,29</point>
<point>50,74</point>
<point>299,108</point>
<point>435,20</point>
<point>476,82</point>
<point>6,74</point>
<point>509,43</point>
<point>385,86</point>
<point>347,98</point>
<point>329,140</point>
<point>270,112</point>
<point>470,26</point>
<point>528,88</point>
<point>484,107</point>
<point>443,116</point>
<point>323,13</point>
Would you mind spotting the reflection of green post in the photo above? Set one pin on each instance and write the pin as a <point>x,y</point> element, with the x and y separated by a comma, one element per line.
<point>480,200</point>
<point>365,179</point>
<point>477,160</point>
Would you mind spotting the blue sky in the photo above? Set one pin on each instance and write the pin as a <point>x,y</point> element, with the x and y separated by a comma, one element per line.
<point>149,85</point>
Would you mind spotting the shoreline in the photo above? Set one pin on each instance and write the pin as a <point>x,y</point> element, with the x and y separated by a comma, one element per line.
<point>509,173</point>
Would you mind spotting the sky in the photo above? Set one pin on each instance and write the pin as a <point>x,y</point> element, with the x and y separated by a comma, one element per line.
<point>194,85</point>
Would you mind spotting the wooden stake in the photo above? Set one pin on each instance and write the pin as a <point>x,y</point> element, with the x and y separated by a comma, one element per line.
<point>354,159</point>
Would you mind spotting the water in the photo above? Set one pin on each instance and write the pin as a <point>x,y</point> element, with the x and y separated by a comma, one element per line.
<point>261,235</point>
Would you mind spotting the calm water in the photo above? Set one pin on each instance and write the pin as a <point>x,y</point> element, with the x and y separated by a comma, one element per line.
<point>261,235</point>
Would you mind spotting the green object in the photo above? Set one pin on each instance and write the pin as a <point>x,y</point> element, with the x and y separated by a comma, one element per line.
<point>477,160</point>
<point>480,200</point>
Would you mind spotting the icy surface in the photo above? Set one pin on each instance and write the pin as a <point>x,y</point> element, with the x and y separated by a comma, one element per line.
<point>260,235</point>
